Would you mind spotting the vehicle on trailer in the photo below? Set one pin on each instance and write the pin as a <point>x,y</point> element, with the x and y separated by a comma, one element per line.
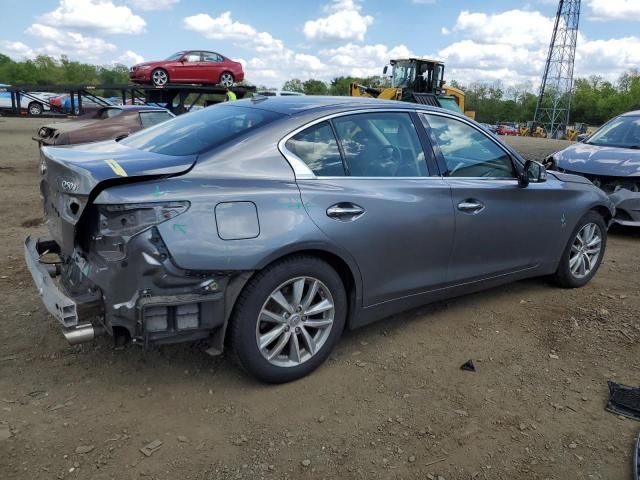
<point>189,66</point>
<point>62,103</point>
<point>273,223</point>
<point>417,80</point>
<point>106,123</point>
<point>610,158</point>
<point>34,103</point>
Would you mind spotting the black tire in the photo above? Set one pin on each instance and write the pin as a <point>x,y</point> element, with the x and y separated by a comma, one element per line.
<point>35,109</point>
<point>242,336</point>
<point>227,79</point>
<point>155,81</point>
<point>564,276</point>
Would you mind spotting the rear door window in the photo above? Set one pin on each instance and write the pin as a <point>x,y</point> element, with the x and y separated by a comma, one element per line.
<point>317,147</point>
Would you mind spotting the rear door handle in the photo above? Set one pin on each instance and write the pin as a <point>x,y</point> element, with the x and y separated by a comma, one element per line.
<point>470,206</point>
<point>345,211</point>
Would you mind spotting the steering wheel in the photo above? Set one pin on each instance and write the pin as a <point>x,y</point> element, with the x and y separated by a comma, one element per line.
<point>389,158</point>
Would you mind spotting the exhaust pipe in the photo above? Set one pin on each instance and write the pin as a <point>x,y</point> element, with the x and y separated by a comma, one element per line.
<point>82,333</point>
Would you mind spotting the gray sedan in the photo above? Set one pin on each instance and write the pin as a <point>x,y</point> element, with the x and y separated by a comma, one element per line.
<point>610,158</point>
<point>271,224</point>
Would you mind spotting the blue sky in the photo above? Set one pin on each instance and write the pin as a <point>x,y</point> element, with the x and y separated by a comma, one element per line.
<point>490,41</point>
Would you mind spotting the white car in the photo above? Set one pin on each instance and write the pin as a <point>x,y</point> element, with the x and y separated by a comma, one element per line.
<point>35,103</point>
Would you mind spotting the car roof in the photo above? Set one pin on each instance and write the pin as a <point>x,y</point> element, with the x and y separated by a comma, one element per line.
<point>294,104</point>
<point>634,113</point>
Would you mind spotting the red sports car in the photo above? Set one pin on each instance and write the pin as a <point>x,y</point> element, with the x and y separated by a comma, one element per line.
<point>189,66</point>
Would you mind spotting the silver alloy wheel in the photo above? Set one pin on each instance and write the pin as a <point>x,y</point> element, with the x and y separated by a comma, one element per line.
<point>295,321</point>
<point>585,250</point>
<point>35,108</point>
<point>160,78</point>
<point>226,79</point>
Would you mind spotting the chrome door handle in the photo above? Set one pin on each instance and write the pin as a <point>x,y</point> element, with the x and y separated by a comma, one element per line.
<point>345,211</point>
<point>470,206</point>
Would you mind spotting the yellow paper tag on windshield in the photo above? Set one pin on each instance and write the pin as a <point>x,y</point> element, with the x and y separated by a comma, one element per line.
<point>116,167</point>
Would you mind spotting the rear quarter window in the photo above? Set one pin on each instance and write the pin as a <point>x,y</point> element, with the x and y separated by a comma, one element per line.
<point>200,131</point>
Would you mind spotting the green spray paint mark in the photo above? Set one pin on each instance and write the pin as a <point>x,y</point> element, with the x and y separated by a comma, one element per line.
<point>306,205</point>
<point>563,220</point>
<point>178,227</point>
<point>157,192</point>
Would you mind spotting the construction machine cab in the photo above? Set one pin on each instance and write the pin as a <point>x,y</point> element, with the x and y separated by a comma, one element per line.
<point>416,75</point>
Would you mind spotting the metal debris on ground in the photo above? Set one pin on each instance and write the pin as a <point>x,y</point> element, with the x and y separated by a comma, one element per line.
<point>468,366</point>
<point>150,448</point>
<point>624,400</point>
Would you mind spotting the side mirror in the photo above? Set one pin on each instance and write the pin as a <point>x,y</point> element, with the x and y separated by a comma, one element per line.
<point>582,137</point>
<point>532,172</point>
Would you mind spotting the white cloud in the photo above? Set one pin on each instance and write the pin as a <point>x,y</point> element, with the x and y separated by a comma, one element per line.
<point>99,15</point>
<point>362,60</point>
<point>59,42</point>
<point>129,58</point>
<point>17,50</point>
<point>219,28</point>
<point>615,9</point>
<point>424,2</point>
<point>515,27</point>
<point>343,22</point>
<point>152,4</point>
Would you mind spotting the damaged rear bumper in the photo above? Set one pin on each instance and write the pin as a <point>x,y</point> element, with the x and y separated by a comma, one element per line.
<point>66,310</point>
<point>627,205</point>
<point>144,293</point>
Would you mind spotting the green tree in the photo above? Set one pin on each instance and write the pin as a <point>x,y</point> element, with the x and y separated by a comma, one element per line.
<point>315,87</point>
<point>293,85</point>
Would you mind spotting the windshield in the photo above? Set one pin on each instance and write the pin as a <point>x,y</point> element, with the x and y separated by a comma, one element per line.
<point>200,131</point>
<point>622,132</point>
<point>175,56</point>
<point>403,74</point>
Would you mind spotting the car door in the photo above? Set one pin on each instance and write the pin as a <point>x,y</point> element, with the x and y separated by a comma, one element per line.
<point>368,187</point>
<point>500,227</point>
<point>211,67</point>
<point>186,70</point>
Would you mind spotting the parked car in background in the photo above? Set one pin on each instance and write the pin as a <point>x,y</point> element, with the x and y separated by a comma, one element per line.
<point>274,223</point>
<point>277,93</point>
<point>103,124</point>
<point>62,103</point>
<point>506,130</point>
<point>189,66</point>
<point>492,128</point>
<point>35,103</point>
<point>610,158</point>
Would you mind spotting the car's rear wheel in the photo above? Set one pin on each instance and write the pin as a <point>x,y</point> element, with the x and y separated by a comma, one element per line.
<point>159,77</point>
<point>288,319</point>
<point>583,255</point>
<point>227,79</point>
<point>35,109</point>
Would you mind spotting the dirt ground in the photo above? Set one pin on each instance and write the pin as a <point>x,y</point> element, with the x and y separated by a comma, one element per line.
<point>392,401</point>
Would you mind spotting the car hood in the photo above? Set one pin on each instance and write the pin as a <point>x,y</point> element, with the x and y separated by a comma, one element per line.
<point>597,160</point>
<point>152,64</point>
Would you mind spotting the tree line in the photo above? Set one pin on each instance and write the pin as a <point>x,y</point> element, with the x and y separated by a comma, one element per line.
<point>595,100</point>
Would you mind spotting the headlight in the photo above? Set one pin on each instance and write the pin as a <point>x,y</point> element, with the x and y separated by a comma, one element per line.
<point>144,67</point>
<point>118,223</point>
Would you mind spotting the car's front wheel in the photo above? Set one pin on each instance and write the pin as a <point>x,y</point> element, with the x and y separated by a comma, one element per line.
<point>288,319</point>
<point>583,255</point>
<point>159,77</point>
